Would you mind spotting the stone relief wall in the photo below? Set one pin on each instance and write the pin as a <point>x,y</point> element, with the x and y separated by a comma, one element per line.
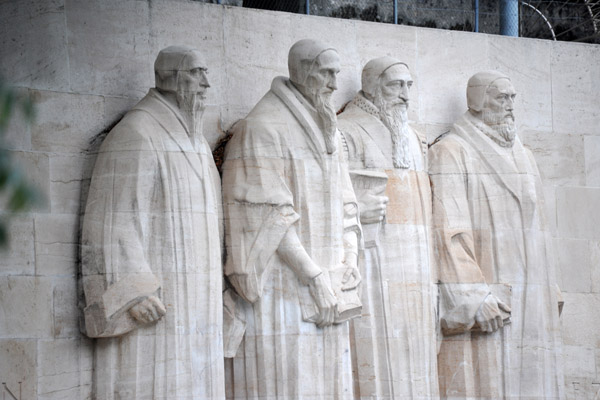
<point>85,64</point>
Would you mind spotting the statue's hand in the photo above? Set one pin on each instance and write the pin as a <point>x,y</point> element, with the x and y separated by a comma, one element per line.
<point>488,317</point>
<point>148,310</point>
<point>372,208</point>
<point>321,292</point>
<point>351,277</point>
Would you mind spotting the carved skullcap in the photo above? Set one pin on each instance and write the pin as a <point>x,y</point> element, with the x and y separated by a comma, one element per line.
<point>373,70</point>
<point>302,56</point>
<point>178,58</point>
<point>478,86</point>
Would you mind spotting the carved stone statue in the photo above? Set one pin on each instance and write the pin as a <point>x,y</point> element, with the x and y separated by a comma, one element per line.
<point>395,340</point>
<point>151,255</point>
<point>292,232</point>
<point>498,297</point>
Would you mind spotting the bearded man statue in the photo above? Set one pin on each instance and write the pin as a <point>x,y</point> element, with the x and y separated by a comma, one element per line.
<point>292,235</point>
<point>151,249</point>
<point>394,342</point>
<point>499,304</point>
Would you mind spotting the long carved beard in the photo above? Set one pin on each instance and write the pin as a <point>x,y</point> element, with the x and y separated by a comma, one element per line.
<point>326,112</point>
<point>502,124</point>
<point>192,107</point>
<point>394,116</point>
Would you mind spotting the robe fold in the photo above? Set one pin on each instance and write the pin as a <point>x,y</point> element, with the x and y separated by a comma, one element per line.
<point>278,174</point>
<point>395,339</point>
<point>491,238</point>
<point>151,227</point>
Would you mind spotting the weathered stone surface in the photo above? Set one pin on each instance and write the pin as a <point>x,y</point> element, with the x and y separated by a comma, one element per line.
<point>33,44</point>
<point>592,160</point>
<point>64,369</point>
<point>107,41</point>
<point>577,212</point>
<point>580,324</point>
<point>26,307</point>
<point>66,121</point>
<point>18,368</point>
<point>560,157</point>
<point>574,265</point>
<point>56,244</point>
<point>67,171</point>
<point>19,258</point>
<point>65,302</point>
<point>575,90</point>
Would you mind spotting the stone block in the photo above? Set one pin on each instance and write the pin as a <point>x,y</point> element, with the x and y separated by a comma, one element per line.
<point>35,168</point>
<point>575,90</point>
<point>574,265</point>
<point>63,368</point>
<point>444,100</point>
<point>66,309</point>
<point>26,307</point>
<point>33,44</point>
<point>56,244</point>
<point>577,211</point>
<point>579,361</point>
<point>533,104</point>
<point>67,171</point>
<point>166,20</point>
<point>592,160</point>
<point>560,158</point>
<point>66,121</point>
<point>109,47</point>
<point>19,257</point>
<point>580,323</point>
<point>18,368</point>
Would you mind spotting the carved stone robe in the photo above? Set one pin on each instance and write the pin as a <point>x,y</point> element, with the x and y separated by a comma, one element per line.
<point>278,174</point>
<point>491,237</point>
<point>395,339</point>
<point>151,227</point>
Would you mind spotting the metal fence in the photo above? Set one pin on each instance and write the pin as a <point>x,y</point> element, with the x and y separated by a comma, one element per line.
<point>568,20</point>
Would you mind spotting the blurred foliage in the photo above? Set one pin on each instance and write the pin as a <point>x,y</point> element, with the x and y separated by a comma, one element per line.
<point>16,194</point>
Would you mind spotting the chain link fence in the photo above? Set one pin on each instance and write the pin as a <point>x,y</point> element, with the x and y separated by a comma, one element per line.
<point>568,20</point>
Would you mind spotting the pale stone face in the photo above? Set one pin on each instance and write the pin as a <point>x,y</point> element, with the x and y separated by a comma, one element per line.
<point>500,100</point>
<point>323,76</point>
<point>194,81</point>
<point>395,85</point>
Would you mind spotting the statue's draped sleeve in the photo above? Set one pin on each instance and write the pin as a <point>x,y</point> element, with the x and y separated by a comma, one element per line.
<point>121,202</point>
<point>462,284</point>
<point>258,204</point>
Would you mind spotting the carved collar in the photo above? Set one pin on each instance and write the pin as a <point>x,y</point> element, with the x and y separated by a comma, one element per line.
<point>364,104</point>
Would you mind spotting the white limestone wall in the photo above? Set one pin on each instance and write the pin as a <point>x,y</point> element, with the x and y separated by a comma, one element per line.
<point>85,63</point>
